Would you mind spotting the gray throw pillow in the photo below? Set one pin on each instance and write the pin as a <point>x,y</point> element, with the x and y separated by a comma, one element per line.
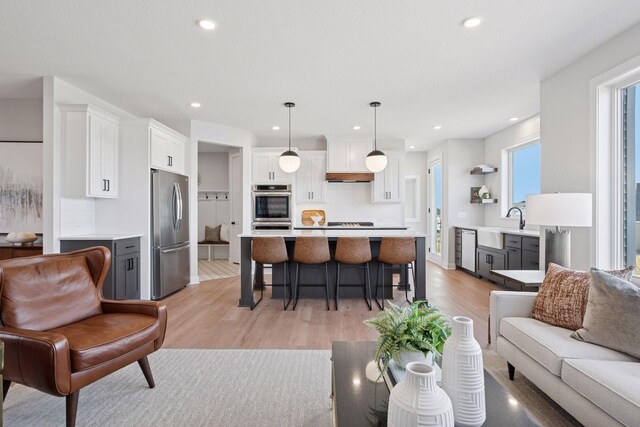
<point>212,234</point>
<point>613,311</point>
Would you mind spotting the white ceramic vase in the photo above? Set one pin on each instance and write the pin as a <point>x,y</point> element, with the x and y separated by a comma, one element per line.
<point>463,374</point>
<point>403,358</point>
<point>418,401</point>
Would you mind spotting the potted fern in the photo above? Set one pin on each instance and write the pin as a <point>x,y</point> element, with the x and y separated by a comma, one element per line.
<point>413,332</point>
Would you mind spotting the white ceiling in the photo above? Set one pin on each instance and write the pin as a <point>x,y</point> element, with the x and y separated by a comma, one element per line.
<point>331,57</point>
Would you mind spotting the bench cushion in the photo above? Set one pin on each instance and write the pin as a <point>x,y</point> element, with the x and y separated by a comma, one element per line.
<point>549,345</point>
<point>613,386</point>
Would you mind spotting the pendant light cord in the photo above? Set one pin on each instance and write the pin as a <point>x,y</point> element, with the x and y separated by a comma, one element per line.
<point>289,128</point>
<point>375,128</point>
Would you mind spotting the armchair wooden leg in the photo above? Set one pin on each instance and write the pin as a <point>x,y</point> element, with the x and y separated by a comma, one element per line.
<point>5,388</point>
<point>72,408</point>
<point>146,370</point>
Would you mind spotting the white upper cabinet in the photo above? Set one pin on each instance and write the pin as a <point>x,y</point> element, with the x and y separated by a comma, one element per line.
<point>89,141</point>
<point>388,185</point>
<point>167,149</point>
<point>311,181</point>
<point>347,154</point>
<point>266,169</point>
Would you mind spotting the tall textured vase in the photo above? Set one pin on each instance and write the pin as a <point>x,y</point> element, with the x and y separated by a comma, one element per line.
<point>463,374</point>
<point>418,401</point>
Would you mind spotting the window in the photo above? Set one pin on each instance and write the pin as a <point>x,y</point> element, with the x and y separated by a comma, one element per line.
<point>630,133</point>
<point>524,173</point>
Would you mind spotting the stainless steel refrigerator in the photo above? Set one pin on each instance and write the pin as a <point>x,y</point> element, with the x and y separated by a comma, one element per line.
<point>170,270</point>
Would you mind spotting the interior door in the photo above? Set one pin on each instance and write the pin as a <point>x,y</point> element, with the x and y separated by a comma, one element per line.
<point>235,172</point>
<point>435,209</point>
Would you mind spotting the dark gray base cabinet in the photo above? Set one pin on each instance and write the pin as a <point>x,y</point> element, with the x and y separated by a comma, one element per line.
<point>488,259</point>
<point>123,278</point>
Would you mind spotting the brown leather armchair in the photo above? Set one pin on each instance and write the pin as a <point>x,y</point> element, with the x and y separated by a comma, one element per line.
<point>60,335</point>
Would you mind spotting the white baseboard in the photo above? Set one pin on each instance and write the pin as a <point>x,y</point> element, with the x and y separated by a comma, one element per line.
<point>195,280</point>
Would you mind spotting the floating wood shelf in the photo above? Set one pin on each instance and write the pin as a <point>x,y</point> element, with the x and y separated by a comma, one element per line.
<point>485,201</point>
<point>483,170</point>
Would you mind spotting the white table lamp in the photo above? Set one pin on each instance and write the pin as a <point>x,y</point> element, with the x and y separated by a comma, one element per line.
<point>559,210</point>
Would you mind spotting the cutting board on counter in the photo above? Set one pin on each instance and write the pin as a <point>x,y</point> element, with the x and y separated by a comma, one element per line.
<point>307,214</point>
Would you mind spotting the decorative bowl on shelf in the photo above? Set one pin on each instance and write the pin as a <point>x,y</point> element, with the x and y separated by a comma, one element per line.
<point>21,237</point>
<point>316,220</point>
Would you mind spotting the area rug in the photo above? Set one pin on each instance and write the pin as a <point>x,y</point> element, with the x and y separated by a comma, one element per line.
<point>195,388</point>
<point>216,269</point>
<point>541,406</point>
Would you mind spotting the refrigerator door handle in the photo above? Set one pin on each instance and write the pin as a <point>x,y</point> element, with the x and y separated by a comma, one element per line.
<point>175,206</point>
<point>168,251</point>
<point>179,206</point>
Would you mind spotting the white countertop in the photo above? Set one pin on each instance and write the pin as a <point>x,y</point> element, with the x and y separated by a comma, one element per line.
<point>379,227</point>
<point>334,233</point>
<point>101,237</point>
<point>504,230</point>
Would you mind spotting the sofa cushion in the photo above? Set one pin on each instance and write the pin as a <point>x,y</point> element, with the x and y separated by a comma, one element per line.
<point>613,386</point>
<point>48,294</point>
<point>562,299</point>
<point>549,345</point>
<point>102,338</point>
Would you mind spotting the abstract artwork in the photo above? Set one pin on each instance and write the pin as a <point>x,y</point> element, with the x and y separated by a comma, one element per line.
<point>20,187</point>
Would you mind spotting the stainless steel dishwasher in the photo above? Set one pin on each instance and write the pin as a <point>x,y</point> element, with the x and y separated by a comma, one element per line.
<point>469,250</point>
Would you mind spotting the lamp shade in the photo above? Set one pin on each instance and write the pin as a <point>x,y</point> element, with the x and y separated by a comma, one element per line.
<point>289,161</point>
<point>560,209</point>
<point>376,161</point>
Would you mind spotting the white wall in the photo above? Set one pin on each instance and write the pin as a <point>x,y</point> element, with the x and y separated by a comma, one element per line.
<point>20,119</point>
<point>566,120</point>
<point>213,169</point>
<point>494,145</point>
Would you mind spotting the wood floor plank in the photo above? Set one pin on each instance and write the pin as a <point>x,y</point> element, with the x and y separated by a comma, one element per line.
<point>207,315</point>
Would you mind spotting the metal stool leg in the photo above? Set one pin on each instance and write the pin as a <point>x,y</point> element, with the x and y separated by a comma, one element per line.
<point>295,302</point>
<point>367,289</point>
<point>326,278</point>
<point>286,276</point>
<point>337,283</point>
<point>253,288</point>
<point>378,286</point>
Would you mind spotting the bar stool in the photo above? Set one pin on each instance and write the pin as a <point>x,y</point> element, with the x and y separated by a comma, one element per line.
<point>310,252</point>
<point>272,251</point>
<point>396,251</point>
<point>354,252</point>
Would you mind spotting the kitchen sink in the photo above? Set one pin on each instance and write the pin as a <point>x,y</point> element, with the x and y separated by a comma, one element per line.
<point>490,237</point>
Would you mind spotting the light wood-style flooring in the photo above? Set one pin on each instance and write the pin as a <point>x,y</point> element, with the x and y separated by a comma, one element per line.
<point>207,315</point>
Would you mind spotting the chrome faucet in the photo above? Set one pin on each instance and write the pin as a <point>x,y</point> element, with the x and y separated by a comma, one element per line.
<point>521,224</point>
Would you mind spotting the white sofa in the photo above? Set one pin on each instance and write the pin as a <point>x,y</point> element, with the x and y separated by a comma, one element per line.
<point>598,386</point>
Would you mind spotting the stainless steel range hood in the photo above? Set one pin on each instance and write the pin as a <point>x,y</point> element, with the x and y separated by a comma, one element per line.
<point>349,177</point>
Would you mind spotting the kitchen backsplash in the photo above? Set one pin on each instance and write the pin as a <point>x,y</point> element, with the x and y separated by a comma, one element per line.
<point>352,202</point>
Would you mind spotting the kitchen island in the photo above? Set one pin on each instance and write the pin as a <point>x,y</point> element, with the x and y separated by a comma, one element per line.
<point>351,276</point>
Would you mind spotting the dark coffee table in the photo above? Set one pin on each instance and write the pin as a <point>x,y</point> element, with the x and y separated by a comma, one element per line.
<point>358,401</point>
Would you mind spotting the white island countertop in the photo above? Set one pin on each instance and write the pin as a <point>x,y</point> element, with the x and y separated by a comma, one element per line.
<point>114,236</point>
<point>334,233</point>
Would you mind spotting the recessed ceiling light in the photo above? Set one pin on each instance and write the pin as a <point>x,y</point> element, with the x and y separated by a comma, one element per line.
<point>437,127</point>
<point>472,22</point>
<point>356,128</point>
<point>412,146</point>
<point>514,119</point>
<point>195,104</point>
<point>275,127</point>
<point>206,24</point>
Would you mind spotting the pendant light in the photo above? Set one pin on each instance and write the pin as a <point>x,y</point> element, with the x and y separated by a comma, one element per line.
<point>376,160</point>
<point>289,160</point>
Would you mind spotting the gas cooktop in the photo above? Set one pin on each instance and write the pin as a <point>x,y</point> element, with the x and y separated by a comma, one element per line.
<point>349,224</point>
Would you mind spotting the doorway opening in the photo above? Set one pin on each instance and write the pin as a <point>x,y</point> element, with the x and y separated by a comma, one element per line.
<point>219,210</point>
<point>435,209</point>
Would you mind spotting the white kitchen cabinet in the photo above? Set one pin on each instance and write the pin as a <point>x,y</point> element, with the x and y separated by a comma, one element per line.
<point>388,185</point>
<point>266,169</point>
<point>348,155</point>
<point>89,139</point>
<point>167,150</point>
<point>311,184</point>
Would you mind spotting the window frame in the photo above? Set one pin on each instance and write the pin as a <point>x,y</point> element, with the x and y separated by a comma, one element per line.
<point>507,177</point>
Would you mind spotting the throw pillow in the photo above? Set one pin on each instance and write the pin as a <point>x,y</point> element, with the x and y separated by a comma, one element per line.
<point>612,314</point>
<point>212,234</point>
<point>225,233</point>
<point>562,298</point>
